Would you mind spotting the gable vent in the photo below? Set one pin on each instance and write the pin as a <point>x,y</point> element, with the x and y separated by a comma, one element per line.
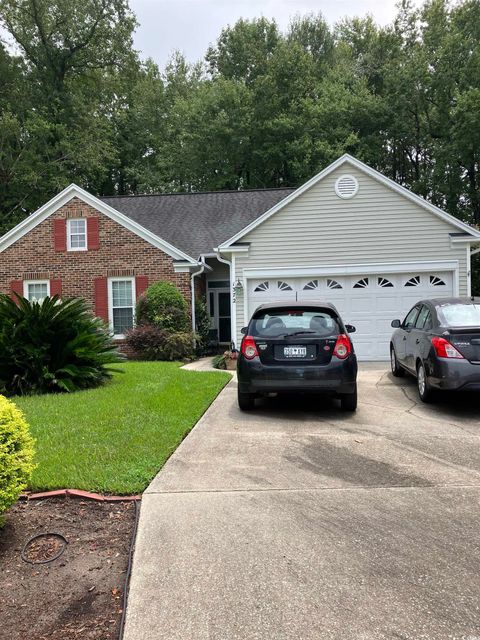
<point>346,187</point>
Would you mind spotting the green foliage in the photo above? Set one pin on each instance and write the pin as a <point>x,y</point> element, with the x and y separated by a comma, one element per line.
<point>202,326</point>
<point>56,345</point>
<point>16,454</point>
<point>150,342</point>
<point>219,361</point>
<point>264,109</point>
<point>163,306</point>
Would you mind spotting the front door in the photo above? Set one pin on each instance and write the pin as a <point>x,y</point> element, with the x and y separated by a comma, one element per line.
<point>219,302</point>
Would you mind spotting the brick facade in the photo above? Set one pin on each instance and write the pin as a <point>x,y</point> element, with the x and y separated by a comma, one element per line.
<point>120,253</point>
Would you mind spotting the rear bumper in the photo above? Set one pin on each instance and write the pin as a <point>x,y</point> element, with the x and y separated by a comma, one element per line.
<point>455,375</point>
<point>337,377</point>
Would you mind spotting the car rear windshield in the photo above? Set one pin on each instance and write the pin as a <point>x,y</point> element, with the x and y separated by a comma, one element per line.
<point>459,315</point>
<point>273,323</point>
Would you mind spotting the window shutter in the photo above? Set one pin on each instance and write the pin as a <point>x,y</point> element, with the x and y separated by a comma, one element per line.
<point>141,284</point>
<point>55,288</point>
<point>60,235</point>
<point>101,298</point>
<point>93,233</point>
<point>16,286</point>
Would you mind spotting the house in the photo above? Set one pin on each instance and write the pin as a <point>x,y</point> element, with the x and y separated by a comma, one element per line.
<point>349,235</point>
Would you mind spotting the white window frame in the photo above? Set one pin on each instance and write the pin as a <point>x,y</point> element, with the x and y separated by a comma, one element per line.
<point>27,283</point>
<point>69,234</point>
<point>119,336</point>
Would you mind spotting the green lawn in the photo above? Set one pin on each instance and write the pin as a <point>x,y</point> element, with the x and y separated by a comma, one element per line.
<point>115,438</point>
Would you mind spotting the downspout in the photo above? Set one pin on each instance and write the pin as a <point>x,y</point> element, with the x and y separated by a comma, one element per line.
<point>192,289</point>
<point>232,309</point>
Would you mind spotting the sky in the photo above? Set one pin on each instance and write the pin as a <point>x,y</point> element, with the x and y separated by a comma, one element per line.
<point>191,25</point>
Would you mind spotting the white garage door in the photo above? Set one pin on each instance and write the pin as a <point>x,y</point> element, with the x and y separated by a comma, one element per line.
<point>370,302</point>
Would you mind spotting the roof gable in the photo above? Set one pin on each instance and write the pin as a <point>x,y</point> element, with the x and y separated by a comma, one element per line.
<point>349,160</point>
<point>74,191</point>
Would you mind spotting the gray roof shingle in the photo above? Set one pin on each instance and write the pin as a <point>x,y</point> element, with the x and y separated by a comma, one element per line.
<point>197,222</point>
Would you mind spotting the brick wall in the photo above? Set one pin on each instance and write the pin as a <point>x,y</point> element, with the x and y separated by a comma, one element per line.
<point>120,253</point>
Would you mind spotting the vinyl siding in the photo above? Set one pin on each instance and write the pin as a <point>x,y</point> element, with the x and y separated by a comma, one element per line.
<point>377,225</point>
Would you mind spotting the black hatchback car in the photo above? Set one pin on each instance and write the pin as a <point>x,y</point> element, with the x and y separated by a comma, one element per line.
<point>439,343</point>
<point>297,347</point>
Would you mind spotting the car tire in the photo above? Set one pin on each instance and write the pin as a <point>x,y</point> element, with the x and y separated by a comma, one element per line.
<point>424,390</point>
<point>397,370</point>
<point>246,401</point>
<point>348,401</point>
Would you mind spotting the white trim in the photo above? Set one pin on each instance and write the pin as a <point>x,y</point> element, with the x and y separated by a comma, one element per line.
<point>69,234</point>
<point>464,240</point>
<point>26,284</point>
<point>74,191</point>
<point>119,336</point>
<point>232,308</point>
<point>233,304</point>
<point>234,249</point>
<point>353,269</point>
<point>469,271</point>
<point>361,166</point>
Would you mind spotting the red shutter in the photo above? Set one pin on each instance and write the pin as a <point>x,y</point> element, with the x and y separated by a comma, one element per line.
<point>93,233</point>
<point>16,286</point>
<point>101,298</point>
<point>55,288</point>
<point>60,235</point>
<point>141,284</point>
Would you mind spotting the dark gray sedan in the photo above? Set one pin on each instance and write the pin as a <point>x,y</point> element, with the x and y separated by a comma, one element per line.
<point>439,343</point>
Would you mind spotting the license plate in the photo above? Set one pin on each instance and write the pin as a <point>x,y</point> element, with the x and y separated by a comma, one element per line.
<point>295,352</point>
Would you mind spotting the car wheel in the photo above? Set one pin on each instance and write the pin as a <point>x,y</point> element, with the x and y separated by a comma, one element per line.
<point>348,401</point>
<point>424,390</point>
<point>246,401</point>
<point>397,370</point>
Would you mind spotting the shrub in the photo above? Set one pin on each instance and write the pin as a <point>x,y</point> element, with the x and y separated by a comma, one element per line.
<point>202,326</point>
<point>16,454</point>
<point>219,361</point>
<point>164,306</point>
<point>56,345</point>
<point>149,342</point>
<point>178,346</point>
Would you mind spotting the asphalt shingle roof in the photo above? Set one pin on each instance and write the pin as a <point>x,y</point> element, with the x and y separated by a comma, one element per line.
<point>197,222</point>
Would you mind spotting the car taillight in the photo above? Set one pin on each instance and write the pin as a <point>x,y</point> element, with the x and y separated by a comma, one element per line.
<point>343,347</point>
<point>249,348</point>
<point>444,349</point>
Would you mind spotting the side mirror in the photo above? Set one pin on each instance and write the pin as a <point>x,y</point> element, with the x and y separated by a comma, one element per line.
<point>350,328</point>
<point>244,330</point>
<point>396,324</point>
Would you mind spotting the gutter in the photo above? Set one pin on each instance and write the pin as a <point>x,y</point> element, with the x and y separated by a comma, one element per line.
<point>232,308</point>
<point>192,289</point>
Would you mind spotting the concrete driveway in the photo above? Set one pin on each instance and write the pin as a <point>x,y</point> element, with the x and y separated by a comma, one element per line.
<point>299,522</point>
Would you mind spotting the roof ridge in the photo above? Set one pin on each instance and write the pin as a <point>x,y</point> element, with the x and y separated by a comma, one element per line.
<point>194,193</point>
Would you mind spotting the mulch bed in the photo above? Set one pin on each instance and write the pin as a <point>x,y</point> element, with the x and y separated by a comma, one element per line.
<point>78,595</point>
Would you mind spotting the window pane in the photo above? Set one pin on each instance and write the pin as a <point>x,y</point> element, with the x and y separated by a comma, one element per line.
<point>122,320</point>
<point>411,317</point>
<point>422,316</point>
<point>276,322</point>
<point>459,315</point>
<point>122,293</point>
<point>37,291</point>
<point>78,234</point>
<point>77,241</point>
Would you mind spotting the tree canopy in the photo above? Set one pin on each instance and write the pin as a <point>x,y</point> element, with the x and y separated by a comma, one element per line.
<point>264,108</point>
